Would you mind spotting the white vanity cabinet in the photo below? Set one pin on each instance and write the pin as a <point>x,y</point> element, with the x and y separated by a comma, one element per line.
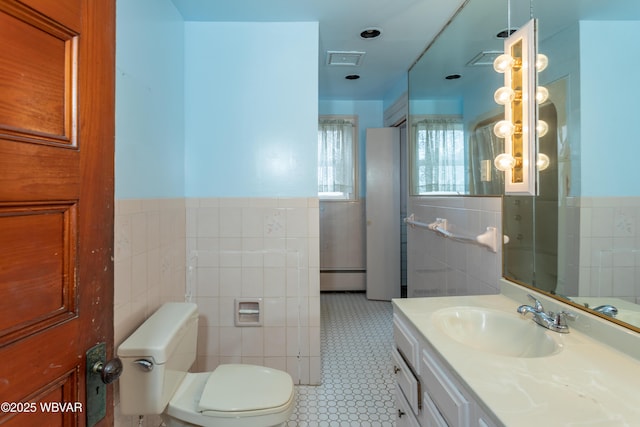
<point>427,393</point>
<point>458,384</point>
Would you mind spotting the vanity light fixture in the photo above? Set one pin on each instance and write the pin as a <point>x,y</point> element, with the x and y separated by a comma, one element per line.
<point>542,162</point>
<point>541,62</point>
<point>542,94</point>
<point>520,97</point>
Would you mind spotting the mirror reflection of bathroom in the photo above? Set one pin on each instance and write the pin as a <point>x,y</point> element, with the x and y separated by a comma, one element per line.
<point>532,224</point>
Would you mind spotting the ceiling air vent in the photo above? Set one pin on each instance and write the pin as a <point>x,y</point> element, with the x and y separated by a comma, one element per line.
<point>484,58</point>
<point>344,58</point>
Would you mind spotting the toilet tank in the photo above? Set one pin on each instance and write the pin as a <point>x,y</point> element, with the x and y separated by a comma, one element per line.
<point>156,358</point>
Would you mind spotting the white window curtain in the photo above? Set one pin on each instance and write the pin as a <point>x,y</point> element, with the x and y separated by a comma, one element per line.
<point>484,146</point>
<point>336,159</point>
<point>438,156</point>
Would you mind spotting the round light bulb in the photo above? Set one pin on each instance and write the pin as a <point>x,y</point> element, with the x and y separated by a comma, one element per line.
<point>504,129</point>
<point>542,94</point>
<point>504,162</point>
<point>542,128</point>
<point>542,162</point>
<point>504,95</point>
<point>541,62</point>
<point>503,63</point>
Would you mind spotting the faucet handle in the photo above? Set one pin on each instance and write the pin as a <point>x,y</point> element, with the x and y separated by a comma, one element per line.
<point>562,316</point>
<point>536,304</point>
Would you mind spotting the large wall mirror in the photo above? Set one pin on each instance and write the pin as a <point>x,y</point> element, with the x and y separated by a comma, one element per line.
<point>578,239</point>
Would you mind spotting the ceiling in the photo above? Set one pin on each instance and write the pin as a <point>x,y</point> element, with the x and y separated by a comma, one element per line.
<point>474,31</point>
<point>407,28</point>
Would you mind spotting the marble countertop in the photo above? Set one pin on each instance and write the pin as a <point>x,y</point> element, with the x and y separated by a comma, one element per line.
<point>588,383</point>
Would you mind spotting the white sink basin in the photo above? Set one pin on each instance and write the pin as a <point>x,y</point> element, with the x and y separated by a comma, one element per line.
<point>496,332</point>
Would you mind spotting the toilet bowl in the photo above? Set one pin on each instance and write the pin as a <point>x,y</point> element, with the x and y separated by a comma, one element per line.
<point>156,358</point>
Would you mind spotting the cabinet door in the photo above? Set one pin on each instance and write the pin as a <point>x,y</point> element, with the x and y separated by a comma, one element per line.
<point>451,402</point>
<point>430,416</point>
<point>482,419</point>
<point>406,341</point>
<point>406,381</point>
<point>404,416</point>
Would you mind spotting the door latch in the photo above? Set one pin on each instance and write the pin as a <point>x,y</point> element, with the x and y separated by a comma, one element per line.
<point>99,373</point>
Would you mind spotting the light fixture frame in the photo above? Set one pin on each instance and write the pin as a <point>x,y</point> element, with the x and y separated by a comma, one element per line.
<point>522,111</point>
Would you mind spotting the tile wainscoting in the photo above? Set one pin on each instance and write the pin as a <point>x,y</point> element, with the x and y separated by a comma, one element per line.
<point>150,245</point>
<point>441,267</point>
<point>257,248</point>
<point>212,251</point>
<point>608,239</point>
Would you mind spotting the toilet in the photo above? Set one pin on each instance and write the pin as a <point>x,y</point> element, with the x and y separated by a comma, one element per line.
<point>155,379</point>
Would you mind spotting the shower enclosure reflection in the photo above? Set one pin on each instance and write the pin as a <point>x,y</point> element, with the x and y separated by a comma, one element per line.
<point>531,256</point>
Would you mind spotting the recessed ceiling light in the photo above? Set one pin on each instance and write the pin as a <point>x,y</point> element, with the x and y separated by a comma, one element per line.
<point>370,33</point>
<point>506,33</point>
<point>453,77</point>
<point>352,77</point>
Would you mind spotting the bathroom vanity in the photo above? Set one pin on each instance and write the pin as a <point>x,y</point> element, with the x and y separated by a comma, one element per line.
<point>474,361</point>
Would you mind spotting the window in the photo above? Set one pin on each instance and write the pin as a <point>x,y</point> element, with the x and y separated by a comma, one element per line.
<point>438,156</point>
<point>337,142</point>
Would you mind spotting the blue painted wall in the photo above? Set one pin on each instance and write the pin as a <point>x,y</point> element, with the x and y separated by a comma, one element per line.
<point>198,116</point>
<point>609,93</point>
<point>441,106</point>
<point>251,109</point>
<point>398,89</point>
<point>563,52</point>
<point>149,100</point>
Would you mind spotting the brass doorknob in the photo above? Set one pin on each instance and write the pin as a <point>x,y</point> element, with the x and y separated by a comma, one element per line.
<point>110,371</point>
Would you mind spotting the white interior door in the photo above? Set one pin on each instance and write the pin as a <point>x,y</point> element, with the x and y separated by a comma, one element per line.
<point>383,213</point>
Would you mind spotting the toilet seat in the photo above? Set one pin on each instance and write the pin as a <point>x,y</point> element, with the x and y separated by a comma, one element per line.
<point>238,386</point>
<point>233,389</point>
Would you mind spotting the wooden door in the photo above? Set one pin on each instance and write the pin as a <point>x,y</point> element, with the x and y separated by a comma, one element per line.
<point>383,213</point>
<point>57,90</point>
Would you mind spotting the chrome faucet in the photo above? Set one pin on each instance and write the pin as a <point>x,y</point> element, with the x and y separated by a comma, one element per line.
<point>556,322</point>
<point>607,310</point>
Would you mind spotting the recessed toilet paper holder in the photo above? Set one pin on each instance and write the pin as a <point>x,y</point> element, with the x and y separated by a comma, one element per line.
<point>248,311</point>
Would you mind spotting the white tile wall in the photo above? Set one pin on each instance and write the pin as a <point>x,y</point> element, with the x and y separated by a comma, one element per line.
<point>609,243</point>
<point>149,267</point>
<point>260,248</point>
<point>212,251</point>
<point>437,266</point>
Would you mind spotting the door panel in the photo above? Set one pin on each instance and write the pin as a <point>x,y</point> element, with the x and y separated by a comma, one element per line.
<point>383,213</point>
<point>61,390</point>
<point>57,71</point>
<point>37,77</point>
<point>38,280</point>
<point>66,12</point>
<point>35,173</point>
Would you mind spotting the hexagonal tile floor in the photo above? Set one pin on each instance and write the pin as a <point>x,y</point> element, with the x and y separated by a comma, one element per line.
<point>358,386</point>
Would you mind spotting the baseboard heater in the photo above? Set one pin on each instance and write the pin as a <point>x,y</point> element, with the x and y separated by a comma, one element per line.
<point>343,279</point>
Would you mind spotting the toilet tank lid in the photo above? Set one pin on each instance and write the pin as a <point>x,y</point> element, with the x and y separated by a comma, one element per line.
<point>157,337</point>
